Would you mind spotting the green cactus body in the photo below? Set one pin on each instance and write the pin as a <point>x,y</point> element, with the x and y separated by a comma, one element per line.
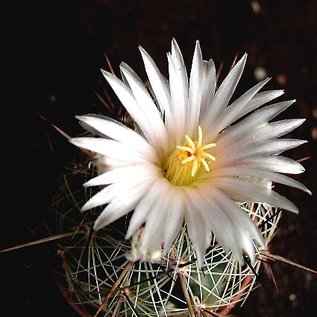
<point>95,272</point>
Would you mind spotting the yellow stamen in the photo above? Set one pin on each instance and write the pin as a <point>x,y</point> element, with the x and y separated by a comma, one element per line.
<point>209,156</point>
<point>185,149</point>
<point>190,142</point>
<point>184,165</point>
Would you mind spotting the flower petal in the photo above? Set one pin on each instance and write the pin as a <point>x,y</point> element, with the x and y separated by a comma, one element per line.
<point>279,164</point>
<point>179,90</point>
<point>126,97</point>
<point>221,226</point>
<point>174,218</point>
<point>260,99</point>
<point>158,134</point>
<point>144,207</point>
<point>117,131</point>
<point>103,197</point>
<point>197,228</point>
<point>240,152</point>
<point>118,207</point>
<point>259,174</point>
<point>158,85</point>
<point>232,112</point>
<point>121,174</point>
<point>265,131</point>
<point>276,129</point>
<point>245,229</point>
<point>154,226</point>
<point>244,128</point>
<point>117,189</point>
<point>242,190</point>
<point>224,93</point>
<point>195,90</point>
<point>208,87</point>
<point>230,225</point>
<point>112,149</point>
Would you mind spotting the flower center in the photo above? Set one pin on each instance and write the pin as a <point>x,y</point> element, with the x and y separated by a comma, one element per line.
<point>189,161</point>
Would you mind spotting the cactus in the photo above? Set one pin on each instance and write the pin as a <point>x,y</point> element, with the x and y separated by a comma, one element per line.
<point>96,271</point>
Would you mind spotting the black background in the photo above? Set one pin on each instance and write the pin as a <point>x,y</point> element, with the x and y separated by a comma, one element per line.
<point>56,50</point>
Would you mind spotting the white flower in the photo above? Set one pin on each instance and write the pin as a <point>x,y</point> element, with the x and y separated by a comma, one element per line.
<point>193,155</point>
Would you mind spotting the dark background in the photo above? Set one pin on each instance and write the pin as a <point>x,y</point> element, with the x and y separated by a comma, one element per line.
<point>56,50</point>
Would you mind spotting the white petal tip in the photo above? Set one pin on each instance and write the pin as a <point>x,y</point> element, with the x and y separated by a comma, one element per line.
<point>240,259</point>
<point>244,57</point>
<point>130,232</point>
<point>124,67</point>
<point>293,209</point>
<point>174,42</point>
<point>128,235</point>
<point>75,141</point>
<point>197,44</point>
<point>87,184</point>
<point>97,225</point>
<point>142,50</point>
<point>266,80</point>
<point>81,117</point>
<point>85,118</point>
<point>106,74</point>
<point>85,207</point>
<point>308,192</point>
<point>200,259</point>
